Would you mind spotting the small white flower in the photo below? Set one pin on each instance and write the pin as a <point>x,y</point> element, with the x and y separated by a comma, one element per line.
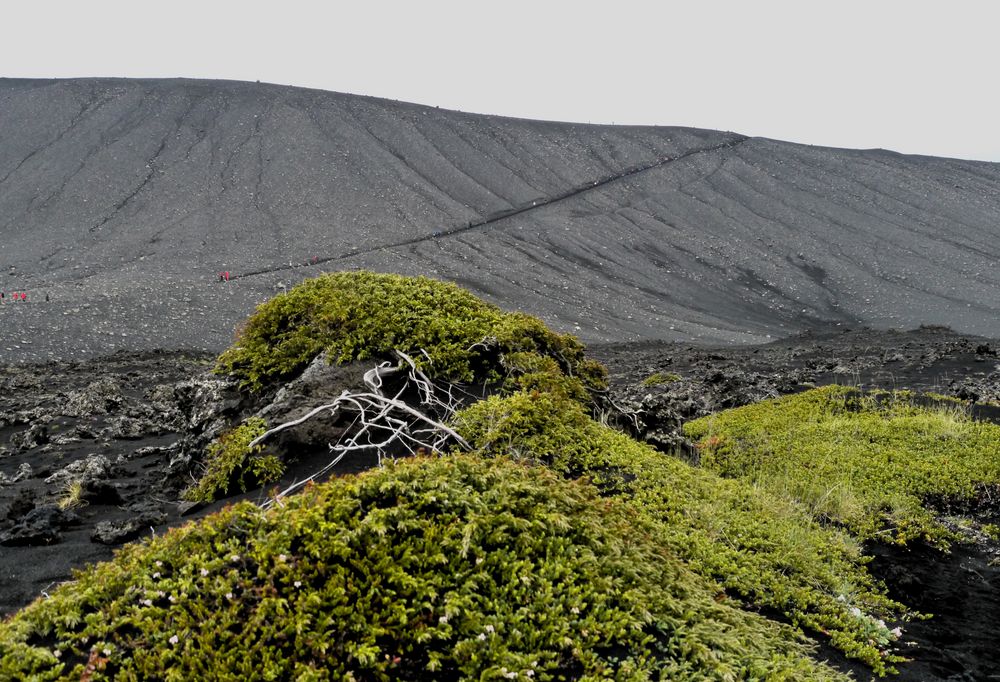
<point>481,637</point>
<point>171,599</point>
<point>160,594</point>
<point>443,619</point>
<point>175,639</point>
<point>574,610</point>
<point>106,652</point>
<point>511,675</point>
<point>234,558</point>
<point>490,629</point>
<point>147,602</point>
<point>159,564</point>
<point>57,653</point>
<point>229,595</point>
<point>855,611</point>
<point>282,557</point>
<point>156,575</point>
<point>297,583</point>
<point>204,571</point>
<point>896,632</point>
<point>529,673</point>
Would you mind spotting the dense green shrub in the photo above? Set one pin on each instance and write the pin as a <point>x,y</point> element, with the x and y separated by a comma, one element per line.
<point>366,315</point>
<point>445,569</point>
<point>230,462</point>
<point>760,546</point>
<point>868,462</point>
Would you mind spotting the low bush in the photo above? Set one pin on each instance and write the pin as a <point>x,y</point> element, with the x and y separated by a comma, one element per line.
<point>761,547</point>
<point>875,464</point>
<point>445,569</point>
<point>449,332</point>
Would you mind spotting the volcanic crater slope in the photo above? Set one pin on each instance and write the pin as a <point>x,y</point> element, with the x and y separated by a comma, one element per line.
<point>123,200</point>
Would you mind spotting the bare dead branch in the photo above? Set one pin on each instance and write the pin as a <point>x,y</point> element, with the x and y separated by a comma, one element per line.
<point>385,424</point>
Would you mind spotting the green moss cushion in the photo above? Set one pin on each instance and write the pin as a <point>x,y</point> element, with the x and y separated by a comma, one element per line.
<point>451,568</point>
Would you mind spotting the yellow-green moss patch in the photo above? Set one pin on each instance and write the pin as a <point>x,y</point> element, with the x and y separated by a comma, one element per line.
<point>661,379</point>
<point>872,463</point>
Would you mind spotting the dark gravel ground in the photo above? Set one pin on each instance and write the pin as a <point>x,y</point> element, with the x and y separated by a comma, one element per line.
<point>131,428</point>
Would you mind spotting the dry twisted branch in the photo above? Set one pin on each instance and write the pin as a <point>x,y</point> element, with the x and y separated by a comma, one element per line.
<point>386,424</point>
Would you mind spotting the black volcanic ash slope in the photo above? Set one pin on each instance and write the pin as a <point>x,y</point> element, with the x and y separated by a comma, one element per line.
<point>123,199</point>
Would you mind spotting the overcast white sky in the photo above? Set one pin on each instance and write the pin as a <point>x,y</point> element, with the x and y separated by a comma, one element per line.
<point>906,75</point>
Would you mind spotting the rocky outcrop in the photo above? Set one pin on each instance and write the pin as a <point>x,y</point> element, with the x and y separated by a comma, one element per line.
<point>39,526</point>
<point>319,384</point>
<point>200,408</point>
<point>93,454</point>
<point>91,469</point>
<point>99,397</point>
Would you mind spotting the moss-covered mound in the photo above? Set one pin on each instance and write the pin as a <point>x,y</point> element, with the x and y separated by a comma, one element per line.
<point>452,568</point>
<point>450,332</point>
<point>763,548</point>
<point>877,464</point>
